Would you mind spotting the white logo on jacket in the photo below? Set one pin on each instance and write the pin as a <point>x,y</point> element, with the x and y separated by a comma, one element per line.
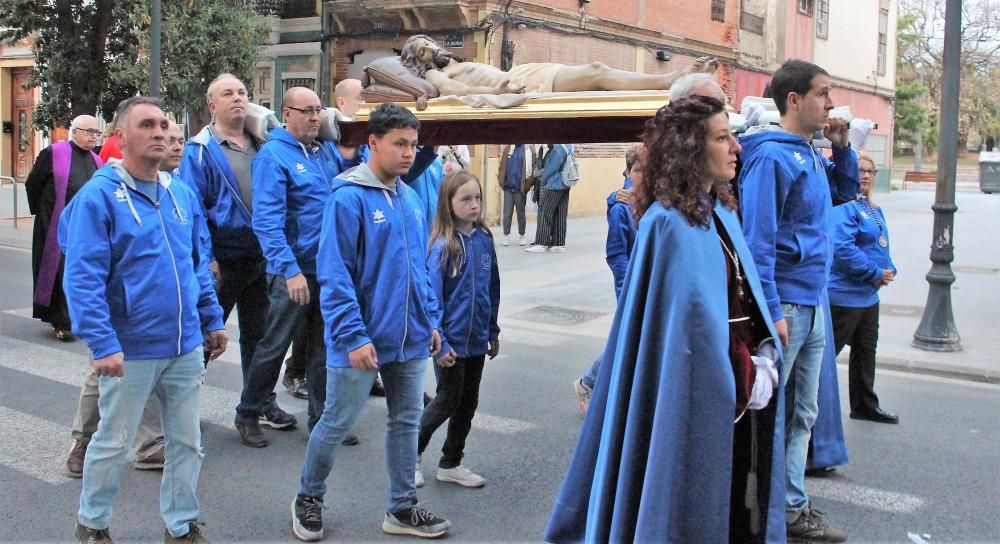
<point>181,216</point>
<point>799,157</point>
<point>120,194</point>
<point>487,262</point>
<point>300,168</point>
<point>378,216</point>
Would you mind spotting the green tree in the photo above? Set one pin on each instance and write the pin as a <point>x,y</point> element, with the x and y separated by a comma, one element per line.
<point>78,43</point>
<point>200,39</point>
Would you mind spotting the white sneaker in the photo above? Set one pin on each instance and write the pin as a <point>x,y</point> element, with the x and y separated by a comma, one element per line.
<point>461,476</point>
<point>558,249</point>
<point>506,240</point>
<point>536,249</point>
<point>418,476</point>
<point>523,242</point>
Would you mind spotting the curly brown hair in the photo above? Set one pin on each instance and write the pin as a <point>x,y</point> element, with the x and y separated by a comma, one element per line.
<point>674,166</point>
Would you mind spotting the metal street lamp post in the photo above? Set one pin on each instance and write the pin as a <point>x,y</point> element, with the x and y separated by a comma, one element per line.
<point>937,330</point>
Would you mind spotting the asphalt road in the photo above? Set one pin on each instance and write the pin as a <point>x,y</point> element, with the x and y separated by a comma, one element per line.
<point>935,476</point>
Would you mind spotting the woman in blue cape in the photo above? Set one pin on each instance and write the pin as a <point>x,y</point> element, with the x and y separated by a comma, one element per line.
<point>679,442</point>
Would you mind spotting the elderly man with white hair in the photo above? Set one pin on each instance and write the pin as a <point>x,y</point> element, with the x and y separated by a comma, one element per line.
<point>698,84</point>
<point>59,172</point>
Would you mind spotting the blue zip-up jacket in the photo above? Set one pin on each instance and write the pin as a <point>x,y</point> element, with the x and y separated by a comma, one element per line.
<point>858,258</point>
<point>206,168</point>
<point>291,186</point>
<point>551,175</point>
<point>427,186</point>
<point>136,279</point>
<point>786,188</point>
<point>514,174</point>
<point>470,300</point>
<point>621,237</point>
<point>372,271</point>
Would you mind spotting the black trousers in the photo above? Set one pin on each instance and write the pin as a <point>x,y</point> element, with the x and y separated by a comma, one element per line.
<point>243,286</point>
<point>457,399</point>
<point>858,328</point>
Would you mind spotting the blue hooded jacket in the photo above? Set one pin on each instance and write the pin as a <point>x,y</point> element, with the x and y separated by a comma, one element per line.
<point>291,186</point>
<point>207,169</point>
<point>470,300</point>
<point>551,175</point>
<point>786,187</point>
<point>858,258</point>
<point>426,186</point>
<point>621,237</point>
<point>136,280</point>
<point>372,271</point>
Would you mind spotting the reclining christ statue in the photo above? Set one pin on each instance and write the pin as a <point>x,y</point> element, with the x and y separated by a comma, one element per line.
<point>452,76</point>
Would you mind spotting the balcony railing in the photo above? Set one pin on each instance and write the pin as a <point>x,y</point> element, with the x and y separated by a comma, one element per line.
<point>286,9</point>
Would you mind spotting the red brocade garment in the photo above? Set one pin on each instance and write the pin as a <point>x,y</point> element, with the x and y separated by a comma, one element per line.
<point>740,330</point>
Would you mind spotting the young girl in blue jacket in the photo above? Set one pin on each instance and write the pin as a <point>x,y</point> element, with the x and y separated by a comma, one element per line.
<point>462,264</point>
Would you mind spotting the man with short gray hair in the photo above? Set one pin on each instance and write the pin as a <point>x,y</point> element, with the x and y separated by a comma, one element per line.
<point>699,84</point>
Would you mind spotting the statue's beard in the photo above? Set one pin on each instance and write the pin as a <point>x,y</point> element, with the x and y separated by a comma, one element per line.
<point>444,57</point>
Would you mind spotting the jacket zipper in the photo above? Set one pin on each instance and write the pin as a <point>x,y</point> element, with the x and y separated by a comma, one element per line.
<point>177,280</point>
<point>472,307</point>
<point>406,250</point>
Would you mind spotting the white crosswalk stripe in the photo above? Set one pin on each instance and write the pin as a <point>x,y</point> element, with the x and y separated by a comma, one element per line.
<point>34,446</point>
<point>218,405</point>
<point>867,497</point>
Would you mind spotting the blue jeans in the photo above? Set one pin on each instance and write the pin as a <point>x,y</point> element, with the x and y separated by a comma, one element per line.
<point>346,394</point>
<point>803,359</point>
<point>177,383</point>
<point>589,377</point>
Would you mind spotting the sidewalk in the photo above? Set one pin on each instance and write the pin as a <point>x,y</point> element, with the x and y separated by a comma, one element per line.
<point>548,296</point>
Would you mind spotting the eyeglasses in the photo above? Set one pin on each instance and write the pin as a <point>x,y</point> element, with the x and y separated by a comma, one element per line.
<point>864,171</point>
<point>88,131</point>
<point>308,112</point>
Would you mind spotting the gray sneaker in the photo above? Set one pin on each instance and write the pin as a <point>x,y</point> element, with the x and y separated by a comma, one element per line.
<point>415,521</point>
<point>193,536</point>
<point>86,535</point>
<point>583,394</point>
<point>810,526</point>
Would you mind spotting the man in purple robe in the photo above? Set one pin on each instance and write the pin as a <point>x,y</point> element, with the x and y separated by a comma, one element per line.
<point>59,172</point>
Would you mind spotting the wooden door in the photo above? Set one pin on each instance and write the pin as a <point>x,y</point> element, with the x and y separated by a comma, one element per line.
<point>24,135</point>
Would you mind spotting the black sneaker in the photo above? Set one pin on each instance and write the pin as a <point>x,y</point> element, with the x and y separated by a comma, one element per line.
<point>307,518</point>
<point>250,434</point>
<point>415,521</point>
<point>296,386</point>
<point>86,535</point>
<point>276,418</point>
<point>193,535</point>
<point>811,527</point>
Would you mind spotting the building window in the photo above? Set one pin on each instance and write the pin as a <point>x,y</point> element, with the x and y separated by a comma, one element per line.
<point>823,19</point>
<point>883,40</point>
<point>806,7</point>
<point>718,10</point>
<point>750,21</point>
<point>308,82</point>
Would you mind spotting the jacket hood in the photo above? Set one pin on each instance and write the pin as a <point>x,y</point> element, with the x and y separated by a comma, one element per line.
<point>757,135</point>
<point>123,175</point>
<point>363,175</point>
<point>612,199</point>
<point>205,135</point>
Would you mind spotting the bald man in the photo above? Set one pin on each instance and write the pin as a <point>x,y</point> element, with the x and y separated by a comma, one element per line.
<point>59,172</point>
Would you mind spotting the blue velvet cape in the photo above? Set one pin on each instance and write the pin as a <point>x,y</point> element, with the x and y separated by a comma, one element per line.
<point>654,459</point>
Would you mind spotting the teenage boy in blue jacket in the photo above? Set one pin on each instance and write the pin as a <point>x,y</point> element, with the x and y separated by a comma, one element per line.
<point>292,178</point>
<point>380,315</point>
<point>786,189</point>
<point>140,295</point>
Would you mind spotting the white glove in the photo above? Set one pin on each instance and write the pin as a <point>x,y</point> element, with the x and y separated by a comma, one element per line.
<point>260,121</point>
<point>329,130</point>
<point>765,382</point>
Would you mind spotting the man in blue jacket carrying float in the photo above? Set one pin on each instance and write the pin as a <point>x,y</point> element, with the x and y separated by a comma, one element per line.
<point>141,297</point>
<point>380,316</point>
<point>786,189</point>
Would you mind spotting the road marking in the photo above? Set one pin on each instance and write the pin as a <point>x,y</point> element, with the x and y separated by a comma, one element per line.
<point>34,446</point>
<point>20,312</point>
<point>218,405</point>
<point>868,497</point>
